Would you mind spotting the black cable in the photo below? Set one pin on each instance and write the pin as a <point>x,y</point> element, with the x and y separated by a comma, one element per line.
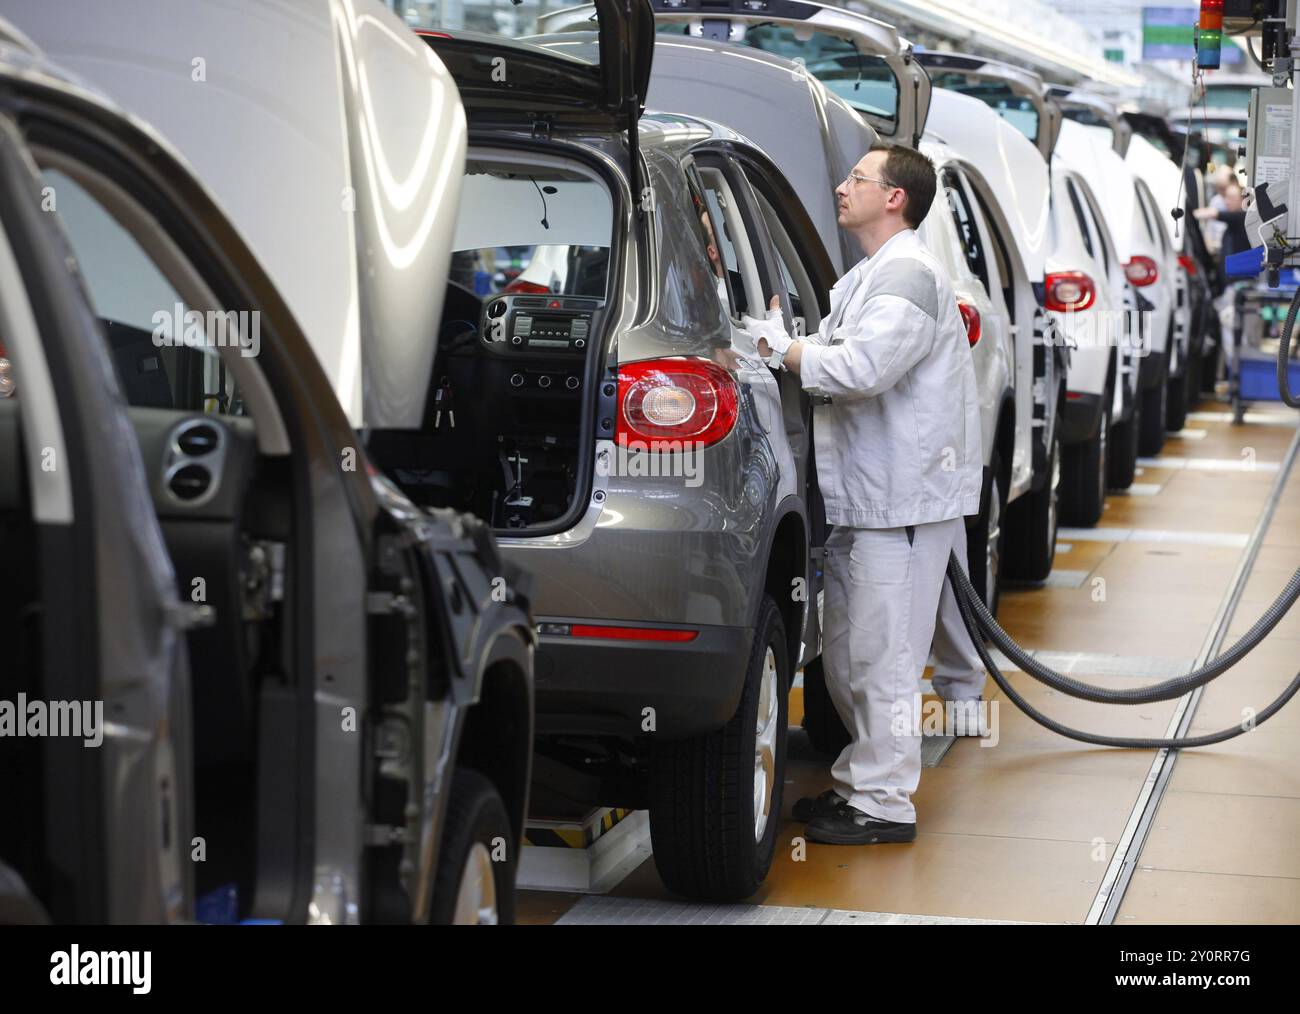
<point>1167,690</point>
<point>1140,743</point>
<point>1258,63</point>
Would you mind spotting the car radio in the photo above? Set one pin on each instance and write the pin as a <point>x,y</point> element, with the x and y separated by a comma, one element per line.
<point>553,324</point>
<point>563,332</point>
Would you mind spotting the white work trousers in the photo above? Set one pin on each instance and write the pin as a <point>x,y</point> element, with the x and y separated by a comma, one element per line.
<point>886,601</point>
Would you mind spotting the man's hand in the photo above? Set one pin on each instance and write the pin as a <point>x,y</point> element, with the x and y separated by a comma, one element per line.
<point>764,349</point>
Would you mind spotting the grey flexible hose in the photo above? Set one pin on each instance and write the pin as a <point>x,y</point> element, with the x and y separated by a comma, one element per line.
<point>1168,690</point>
<point>966,598</point>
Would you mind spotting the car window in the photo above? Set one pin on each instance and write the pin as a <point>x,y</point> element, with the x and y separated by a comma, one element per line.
<point>1020,112</point>
<point>735,260</point>
<point>967,229</point>
<point>546,232</point>
<point>1142,209</point>
<point>794,277</point>
<point>1097,221</point>
<point>166,354</point>
<point>1079,216</point>
<point>1000,261</point>
<point>1158,225</point>
<point>865,82</point>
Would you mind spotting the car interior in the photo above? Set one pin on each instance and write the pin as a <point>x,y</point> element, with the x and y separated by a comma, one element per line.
<point>525,306</point>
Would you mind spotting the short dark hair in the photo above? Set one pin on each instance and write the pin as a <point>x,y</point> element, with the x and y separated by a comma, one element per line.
<point>913,172</point>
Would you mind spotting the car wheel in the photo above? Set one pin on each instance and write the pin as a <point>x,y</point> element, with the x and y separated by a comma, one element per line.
<point>1124,450</point>
<point>1179,389</point>
<point>1154,409</point>
<point>715,799</point>
<point>1083,475</point>
<point>985,541</point>
<point>474,884</point>
<point>1032,523</point>
<point>822,723</point>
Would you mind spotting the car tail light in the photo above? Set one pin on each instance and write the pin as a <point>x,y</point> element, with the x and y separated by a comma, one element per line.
<point>679,398</point>
<point>1188,264</point>
<point>971,318</point>
<point>1141,271</point>
<point>1070,291</point>
<point>7,385</point>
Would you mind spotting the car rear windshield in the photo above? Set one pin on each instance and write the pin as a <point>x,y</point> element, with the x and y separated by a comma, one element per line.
<point>523,229</point>
<point>864,82</point>
<point>1015,109</point>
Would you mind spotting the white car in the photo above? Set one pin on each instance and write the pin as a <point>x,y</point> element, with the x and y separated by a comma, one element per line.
<point>1088,293</point>
<point>1162,178</point>
<point>1126,206</point>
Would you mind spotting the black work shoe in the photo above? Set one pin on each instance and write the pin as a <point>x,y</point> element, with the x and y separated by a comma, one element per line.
<point>810,807</point>
<point>850,826</point>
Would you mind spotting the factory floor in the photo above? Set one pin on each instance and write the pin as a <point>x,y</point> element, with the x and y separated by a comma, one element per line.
<point>1039,828</point>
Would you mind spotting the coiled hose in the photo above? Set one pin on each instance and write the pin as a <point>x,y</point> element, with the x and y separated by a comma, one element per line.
<point>979,621</point>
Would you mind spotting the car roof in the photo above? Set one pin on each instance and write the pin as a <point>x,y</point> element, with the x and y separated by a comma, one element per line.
<point>272,107</point>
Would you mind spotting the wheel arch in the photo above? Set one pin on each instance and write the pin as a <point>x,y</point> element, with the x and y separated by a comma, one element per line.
<point>496,735</point>
<point>786,562</point>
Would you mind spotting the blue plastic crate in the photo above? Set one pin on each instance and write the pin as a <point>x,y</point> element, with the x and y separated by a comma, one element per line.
<point>1259,379</point>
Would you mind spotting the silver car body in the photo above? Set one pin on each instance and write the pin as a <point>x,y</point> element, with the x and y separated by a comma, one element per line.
<point>367,131</point>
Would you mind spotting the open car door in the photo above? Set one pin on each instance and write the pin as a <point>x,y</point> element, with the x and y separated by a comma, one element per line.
<point>860,59</point>
<point>1019,96</point>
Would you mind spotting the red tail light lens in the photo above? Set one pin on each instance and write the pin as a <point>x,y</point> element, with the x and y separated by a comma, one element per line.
<point>1188,264</point>
<point>1070,291</point>
<point>1141,271</point>
<point>971,318</point>
<point>679,398</point>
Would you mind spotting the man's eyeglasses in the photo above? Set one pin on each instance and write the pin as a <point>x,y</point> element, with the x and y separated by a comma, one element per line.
<point>854,176</point>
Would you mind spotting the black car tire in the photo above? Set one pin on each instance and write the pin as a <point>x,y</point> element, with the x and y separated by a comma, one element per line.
<point>1180,388</point>
<point>987,537</point>
<point>1032,522</point>
<point>1123,453</point>
<point>475,817</point>
<point>1153,412</point>
<point>1084,474</point>
<point>703,819</point>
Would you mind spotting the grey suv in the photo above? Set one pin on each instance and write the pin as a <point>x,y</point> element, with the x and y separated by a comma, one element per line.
<point>631,448</point>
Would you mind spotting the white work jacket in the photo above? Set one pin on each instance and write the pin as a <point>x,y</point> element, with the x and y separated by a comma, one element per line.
<point>898,442</point>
